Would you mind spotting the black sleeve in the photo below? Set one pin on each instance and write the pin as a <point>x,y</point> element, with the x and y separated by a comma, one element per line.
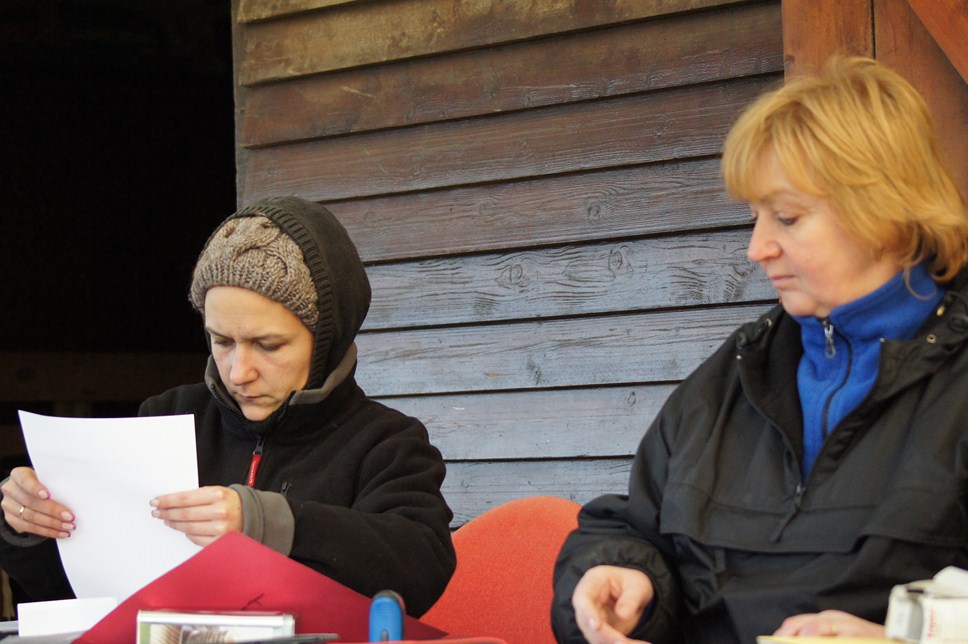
<point>624,531</point>
<point>35,569</point>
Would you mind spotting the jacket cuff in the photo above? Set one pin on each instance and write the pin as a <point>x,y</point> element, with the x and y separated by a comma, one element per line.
<point>267,518</point>
<point>659,617</point>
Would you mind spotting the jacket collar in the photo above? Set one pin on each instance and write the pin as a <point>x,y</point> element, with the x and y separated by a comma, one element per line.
<point>317,405</point>
<point>769,349</point>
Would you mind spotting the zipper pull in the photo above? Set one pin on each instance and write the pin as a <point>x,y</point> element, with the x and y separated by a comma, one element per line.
<point>829,349</point>
<point>254,464</point>
<point>797,500</point>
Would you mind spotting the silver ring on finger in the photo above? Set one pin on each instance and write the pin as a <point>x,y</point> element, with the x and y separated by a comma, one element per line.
<point>21,513</point>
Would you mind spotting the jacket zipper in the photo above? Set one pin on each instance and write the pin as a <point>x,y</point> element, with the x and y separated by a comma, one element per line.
<point>830,350</point>
<point>256,459</point>
<point>797,501</point>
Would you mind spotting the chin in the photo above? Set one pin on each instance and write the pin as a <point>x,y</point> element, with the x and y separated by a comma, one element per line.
<point>256,414</point>
<point>804,311</point>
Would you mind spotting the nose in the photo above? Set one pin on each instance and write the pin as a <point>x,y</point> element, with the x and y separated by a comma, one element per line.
<point>763,245</point>
<point>242,369</point>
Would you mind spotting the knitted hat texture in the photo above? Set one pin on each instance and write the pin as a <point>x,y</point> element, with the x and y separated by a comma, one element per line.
<point>253,253</point>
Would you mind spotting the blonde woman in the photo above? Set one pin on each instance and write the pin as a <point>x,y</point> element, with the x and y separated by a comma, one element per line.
<point>820,456</point>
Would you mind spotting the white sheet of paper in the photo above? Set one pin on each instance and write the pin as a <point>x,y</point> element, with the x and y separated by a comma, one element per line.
<point>62,616</point>
<point>107,470</point>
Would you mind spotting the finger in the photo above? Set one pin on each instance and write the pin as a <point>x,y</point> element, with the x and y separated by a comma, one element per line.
<point>629,606</point>
<point>606,634</point>
<point>201,541</point>
<point>588,616</point>
<point>220,512</point>
<point>793,625</point>
<point>26,520</point>
<point>593,620</point>
<point>196,528</point>
<point>184,499</point>
<point>26,479</point>
<point>188,498</point>
<point>591,628</point>
<point>24,511</point>
<point>821,627</point>
<point>25,490</point>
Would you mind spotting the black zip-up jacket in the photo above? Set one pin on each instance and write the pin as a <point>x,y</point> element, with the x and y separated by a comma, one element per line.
<point>361,480</point>
<point>734,539</point>
<point>345,485</point>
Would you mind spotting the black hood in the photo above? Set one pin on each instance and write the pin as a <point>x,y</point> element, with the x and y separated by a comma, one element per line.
<point>342,287</point>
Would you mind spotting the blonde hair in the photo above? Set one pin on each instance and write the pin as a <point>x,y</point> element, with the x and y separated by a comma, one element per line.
<point>861,136</point>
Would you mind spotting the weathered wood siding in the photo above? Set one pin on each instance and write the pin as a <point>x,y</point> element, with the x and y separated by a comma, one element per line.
<point>534,187</point>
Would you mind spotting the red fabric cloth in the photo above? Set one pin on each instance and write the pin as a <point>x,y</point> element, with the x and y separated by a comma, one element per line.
<point>237,573</point>
<point>505,560</point>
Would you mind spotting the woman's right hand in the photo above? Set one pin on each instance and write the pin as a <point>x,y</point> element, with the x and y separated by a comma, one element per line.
<point>609,602</point>
<point>28,508</point>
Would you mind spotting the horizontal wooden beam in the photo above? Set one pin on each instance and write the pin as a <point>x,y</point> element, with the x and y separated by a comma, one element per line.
<point>581,207</point>
<point>617,132</point>
<point>620,60</point>
<point>681,271</point>
<point>360,34</point>
<point>255,10</point>
<point>560,423</point>
<point>606,350</point>
<point>472,488</point>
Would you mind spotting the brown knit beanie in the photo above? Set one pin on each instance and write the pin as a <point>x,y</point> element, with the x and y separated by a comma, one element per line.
<point>253,253</point>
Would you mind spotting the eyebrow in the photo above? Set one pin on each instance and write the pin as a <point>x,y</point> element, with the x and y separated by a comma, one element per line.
<point>257,338</point>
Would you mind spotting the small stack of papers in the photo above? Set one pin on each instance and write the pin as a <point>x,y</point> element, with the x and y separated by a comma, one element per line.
<point>173,627</point>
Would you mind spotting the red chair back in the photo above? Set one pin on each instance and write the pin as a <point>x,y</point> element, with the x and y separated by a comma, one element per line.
<point>505,560</point>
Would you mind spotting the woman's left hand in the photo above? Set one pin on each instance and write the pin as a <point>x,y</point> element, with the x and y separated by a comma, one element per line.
<point>203,514</point>
<point>831,623</point>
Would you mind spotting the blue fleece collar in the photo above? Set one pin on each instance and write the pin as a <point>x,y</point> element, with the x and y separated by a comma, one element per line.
<point>839,367</point>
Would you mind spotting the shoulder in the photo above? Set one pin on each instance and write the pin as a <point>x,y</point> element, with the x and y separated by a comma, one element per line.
<point>382,419</point>
<point>746,356</point>
<point>753,339</point>
<point>179,400</point>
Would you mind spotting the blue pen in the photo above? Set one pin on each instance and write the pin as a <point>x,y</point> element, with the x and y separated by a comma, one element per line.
<point>386,617</point>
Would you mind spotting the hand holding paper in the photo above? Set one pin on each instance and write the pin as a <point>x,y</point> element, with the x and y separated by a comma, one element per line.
<point>107,471</point>
<point>38,514</point>
<point>203,514</point>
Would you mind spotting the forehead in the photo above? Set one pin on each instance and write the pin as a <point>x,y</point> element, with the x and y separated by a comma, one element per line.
<point>231,310</point>
<point>772,182</point>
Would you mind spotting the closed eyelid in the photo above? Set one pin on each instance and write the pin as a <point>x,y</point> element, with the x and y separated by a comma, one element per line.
<point>761,210</point>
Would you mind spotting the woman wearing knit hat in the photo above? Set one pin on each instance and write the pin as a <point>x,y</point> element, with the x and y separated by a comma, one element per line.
<point>291,451</point>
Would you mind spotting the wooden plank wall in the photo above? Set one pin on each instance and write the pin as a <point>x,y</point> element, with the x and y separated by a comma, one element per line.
<point>534,187</point>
